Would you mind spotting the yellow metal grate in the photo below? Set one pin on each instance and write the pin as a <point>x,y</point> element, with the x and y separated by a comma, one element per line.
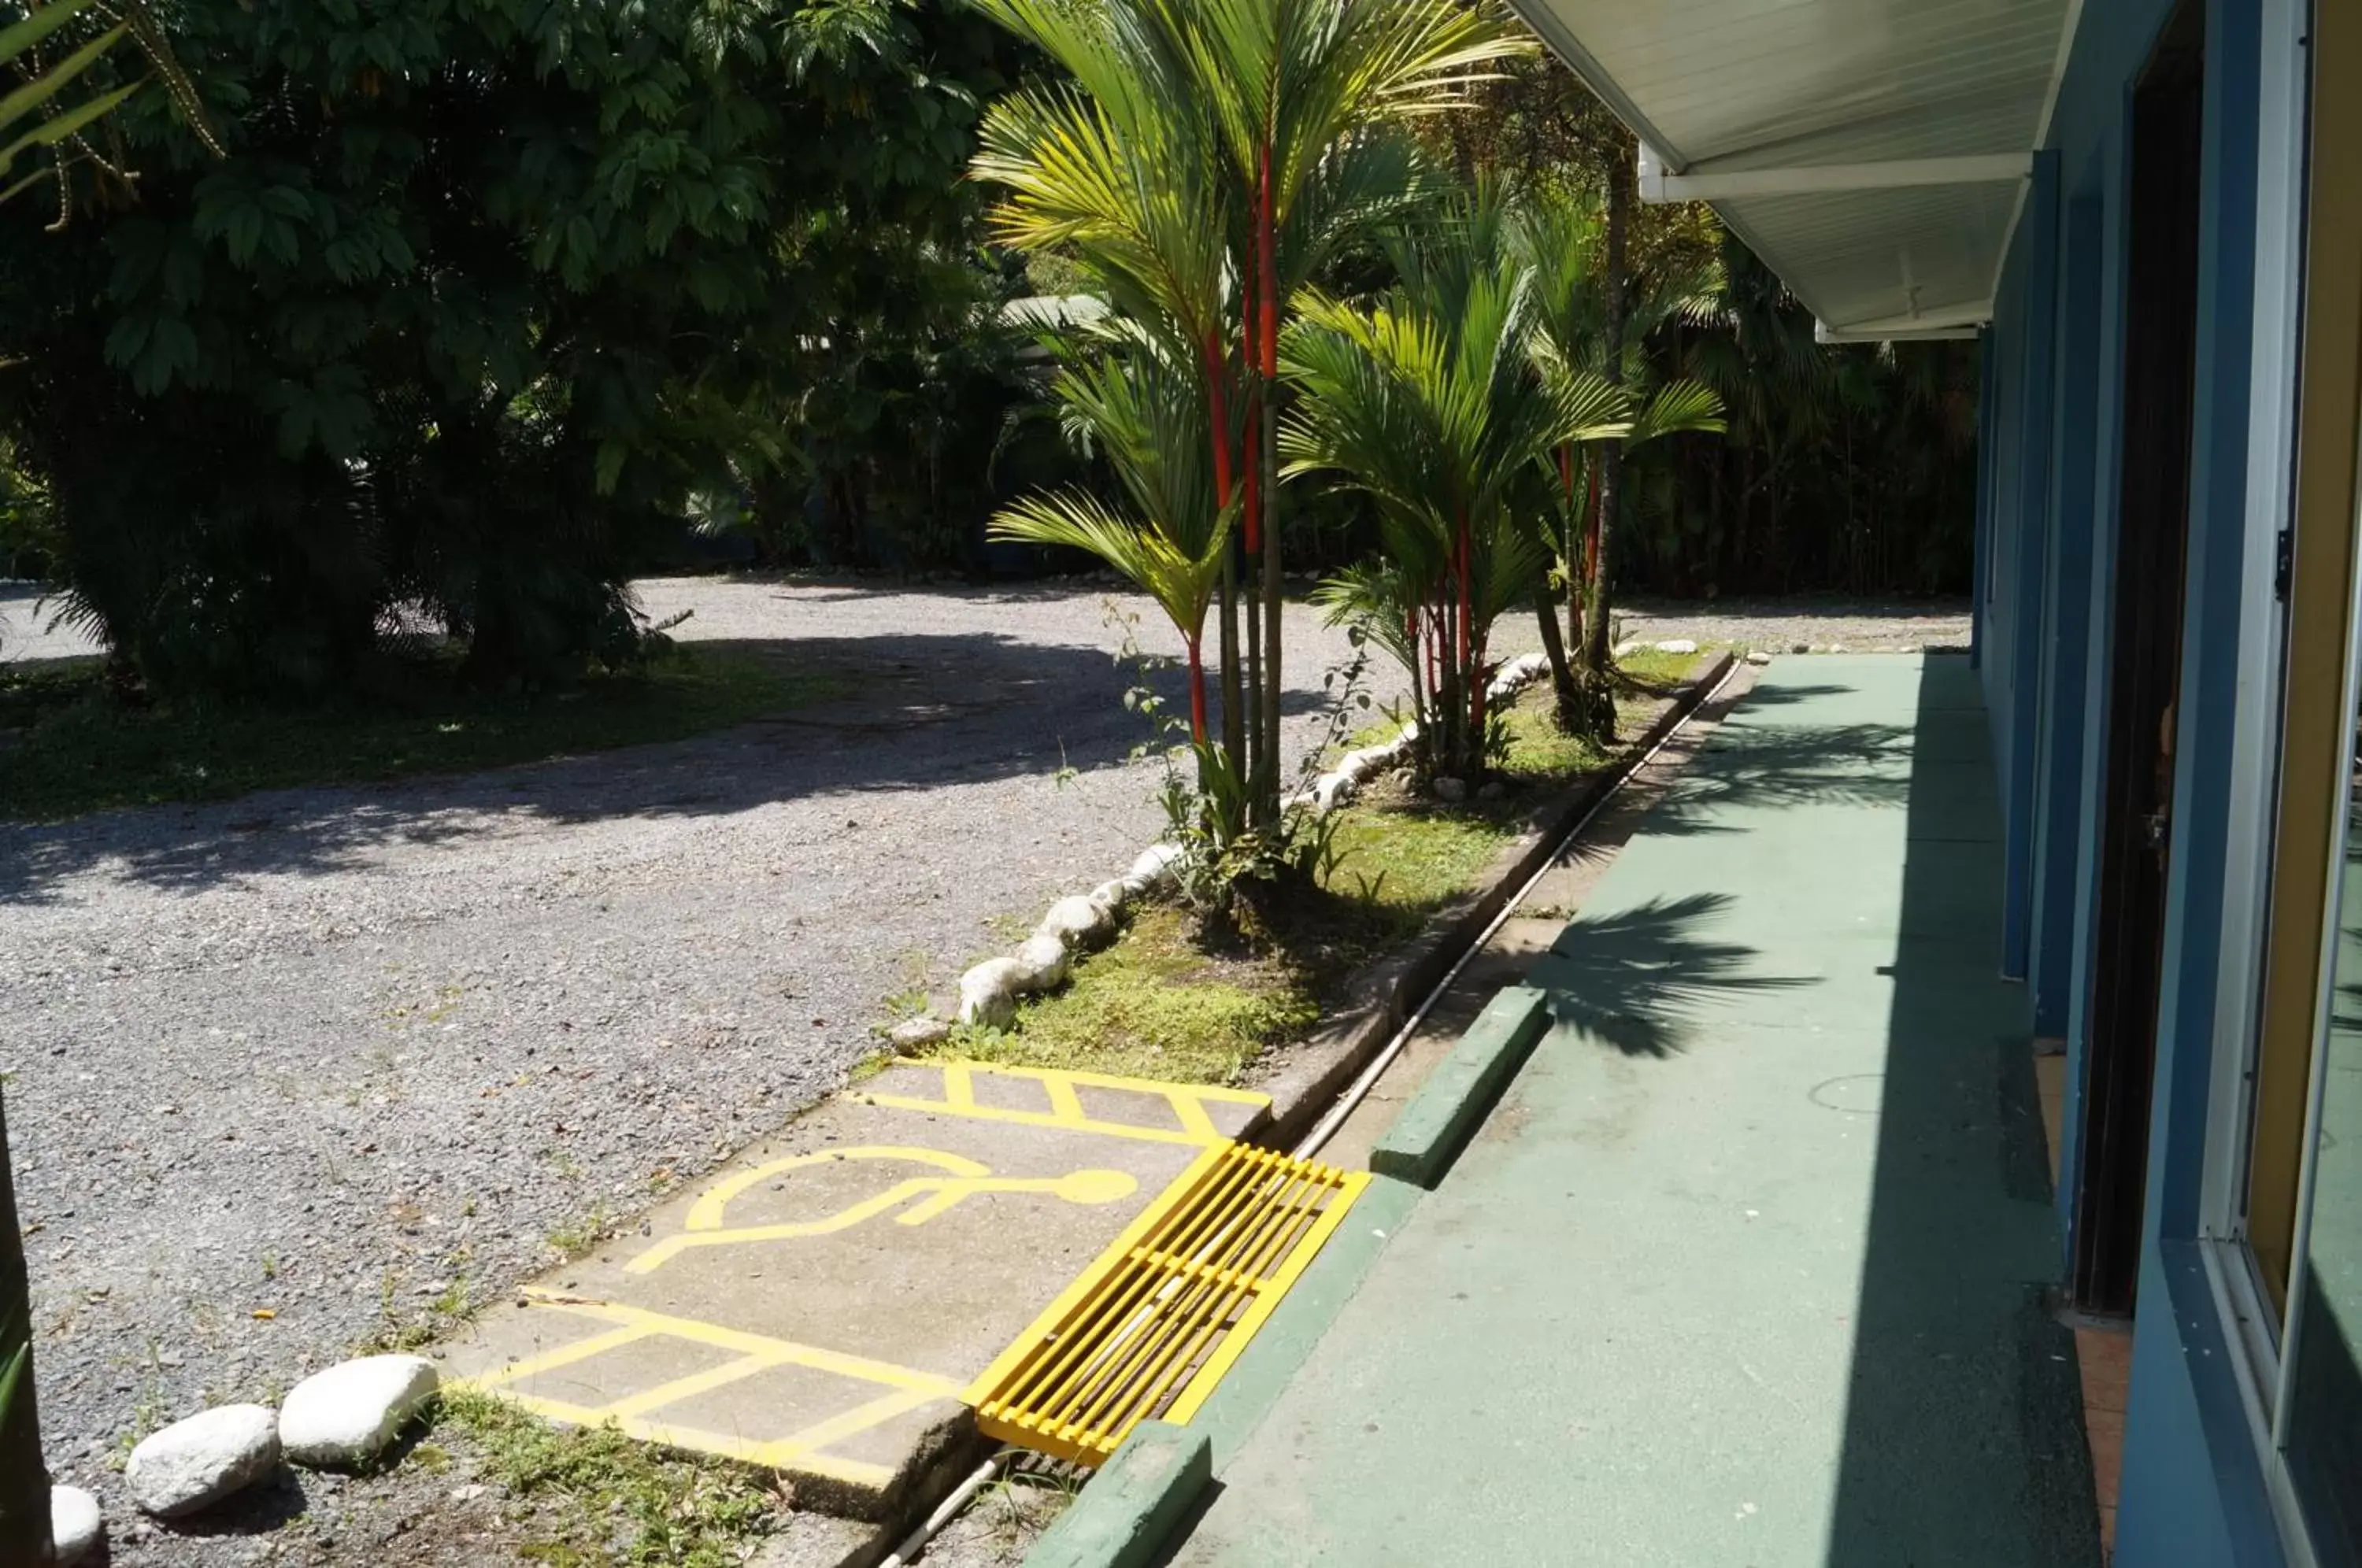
<point>1151,1327</point>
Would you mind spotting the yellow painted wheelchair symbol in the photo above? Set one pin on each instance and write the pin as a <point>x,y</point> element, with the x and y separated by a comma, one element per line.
<point>925,1196</point>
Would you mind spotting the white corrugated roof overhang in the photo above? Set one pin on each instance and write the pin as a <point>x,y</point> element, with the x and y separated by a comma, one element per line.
<point>1872,152</point>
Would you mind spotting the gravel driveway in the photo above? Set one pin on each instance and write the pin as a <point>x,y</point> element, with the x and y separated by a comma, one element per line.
<point>338,1055</point>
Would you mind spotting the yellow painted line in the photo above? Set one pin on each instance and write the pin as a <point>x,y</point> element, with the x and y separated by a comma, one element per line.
<point>707,1213</point>
<point>645,1322</point>
<point>1188,1101</point>
<point>851,1424</point>
<point>1086,1187</point>
<point>1065,1103</point>
<point>689,1388</point>
<point>936,1195</point>
<point>1032,1118</point>
<point>1108,1080</point>
<point>565,1355</point>
<point>1194,1119</point>
<point>768,1455</point>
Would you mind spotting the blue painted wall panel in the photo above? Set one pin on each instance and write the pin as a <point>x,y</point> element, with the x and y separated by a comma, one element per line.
<point>2189,1493</point>
<point>2036,243</point>
<point>2068,618</point>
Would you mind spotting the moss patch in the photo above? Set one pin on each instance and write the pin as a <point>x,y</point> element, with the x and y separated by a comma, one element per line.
<point>1154,1005</point>
<point>66,747</point>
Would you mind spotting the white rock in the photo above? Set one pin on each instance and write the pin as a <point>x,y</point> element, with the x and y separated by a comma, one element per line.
<point>1076,921</point>
<point>1626,648</point>
<point>1678,645</point>
<point>989,993</point>
<point>200,1461</point>
<point>352,1412</point>
<point>1114,894</point>
<point>74,1524</point>
<point>1332,791</point>
<point>1040,963</point>
<point>916,1033</point>
<point>1154,863</point>
<point>1518,674</point>
<point>1757,656</point>
<point>1450,790</point>
<point>1836,647</point>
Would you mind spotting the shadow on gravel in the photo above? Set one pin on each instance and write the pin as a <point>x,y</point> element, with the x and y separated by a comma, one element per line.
<point>936,711</point>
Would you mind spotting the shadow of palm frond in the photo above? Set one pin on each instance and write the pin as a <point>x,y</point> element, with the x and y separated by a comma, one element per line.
<point>1838,765</point>
<point>1637,980</point>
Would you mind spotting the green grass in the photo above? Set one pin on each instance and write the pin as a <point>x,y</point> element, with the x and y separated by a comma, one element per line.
<point>601,1498</point>
<point>1403,864</point>
<point>1160,1003</point>
<point>1154,1005</point>
<point>67,749</point>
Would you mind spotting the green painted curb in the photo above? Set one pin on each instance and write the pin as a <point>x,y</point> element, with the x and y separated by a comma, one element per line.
<point>1256,1380</point>
<point>1122,1518</point>
<point>1419,1146</point>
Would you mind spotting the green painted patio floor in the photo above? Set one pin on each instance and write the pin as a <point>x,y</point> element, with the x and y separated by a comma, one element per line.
<point>1747,1267</point>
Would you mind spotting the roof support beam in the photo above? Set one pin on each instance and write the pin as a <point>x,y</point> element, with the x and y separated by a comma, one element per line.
<point>1945,320</point>
<point>1813,179</point>
<point>1824,333</point>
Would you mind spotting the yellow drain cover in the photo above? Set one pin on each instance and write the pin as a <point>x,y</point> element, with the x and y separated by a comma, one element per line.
<point>1163,1312</point>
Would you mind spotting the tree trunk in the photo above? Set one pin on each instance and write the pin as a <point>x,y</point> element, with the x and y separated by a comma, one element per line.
<point>24,1480</point>
<point>1233,712</point>
<point>1596,674</point>
<point>1197,689</point>
<point>1555,649</point>
<point>1266,342</point>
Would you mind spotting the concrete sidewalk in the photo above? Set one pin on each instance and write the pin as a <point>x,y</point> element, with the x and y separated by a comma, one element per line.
<point>1748,1266</point>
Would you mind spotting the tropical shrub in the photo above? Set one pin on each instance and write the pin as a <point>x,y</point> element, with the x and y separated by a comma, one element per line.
<point>1201,163</point>
<point>1438,402</point>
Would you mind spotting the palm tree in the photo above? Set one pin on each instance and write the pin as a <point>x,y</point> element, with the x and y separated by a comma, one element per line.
<point>1428,401</point>
<point>1593,320</point>
<point>1146,416</point>
<point>1209,157</point>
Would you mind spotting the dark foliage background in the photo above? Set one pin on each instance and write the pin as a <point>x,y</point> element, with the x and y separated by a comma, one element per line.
<point>481,295</point>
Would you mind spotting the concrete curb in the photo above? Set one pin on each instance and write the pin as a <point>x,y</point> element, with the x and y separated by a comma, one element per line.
<point>1122,1518</point>
<point>1419,1146</point>
<point>1317,1071</point>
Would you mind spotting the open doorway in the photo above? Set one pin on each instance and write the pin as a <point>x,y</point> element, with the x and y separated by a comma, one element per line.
<point>2152,526</point>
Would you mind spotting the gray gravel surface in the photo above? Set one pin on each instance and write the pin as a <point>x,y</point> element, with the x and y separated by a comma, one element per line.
<point>349,1056</point>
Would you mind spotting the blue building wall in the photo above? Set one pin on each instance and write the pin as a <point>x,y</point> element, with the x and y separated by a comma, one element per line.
<point>2191,1491</point>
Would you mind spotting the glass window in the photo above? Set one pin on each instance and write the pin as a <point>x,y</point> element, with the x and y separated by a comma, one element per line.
<point>2325,1392</point>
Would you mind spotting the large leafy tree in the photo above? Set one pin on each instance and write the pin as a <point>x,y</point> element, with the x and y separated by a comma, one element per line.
<point>479,293</point>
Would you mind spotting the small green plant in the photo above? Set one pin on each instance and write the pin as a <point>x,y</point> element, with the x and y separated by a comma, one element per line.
<point>601,1498</point>
<point>576,1237</point>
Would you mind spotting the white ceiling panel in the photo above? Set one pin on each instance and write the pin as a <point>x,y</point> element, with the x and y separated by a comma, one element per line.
<point>1719,87</point>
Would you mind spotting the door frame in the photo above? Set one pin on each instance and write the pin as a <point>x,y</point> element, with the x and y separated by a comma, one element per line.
<point>2158,376</point>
